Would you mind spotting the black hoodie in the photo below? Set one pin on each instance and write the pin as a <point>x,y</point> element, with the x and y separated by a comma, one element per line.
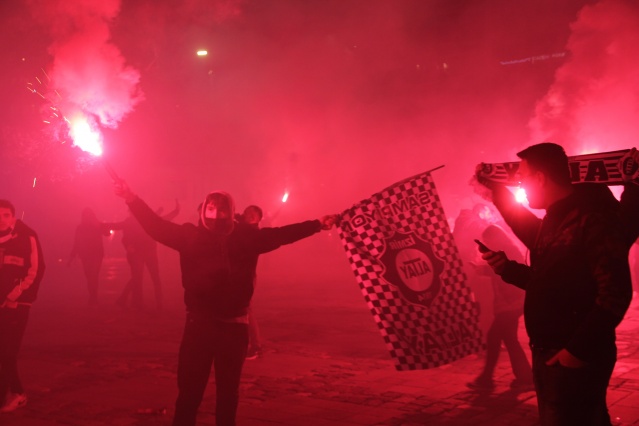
<point>218,269</point>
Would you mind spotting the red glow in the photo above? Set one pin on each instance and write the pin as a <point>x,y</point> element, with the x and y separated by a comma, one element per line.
<point>84,136</point>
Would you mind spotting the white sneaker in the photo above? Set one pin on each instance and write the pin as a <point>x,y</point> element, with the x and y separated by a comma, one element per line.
<point>14,401</point>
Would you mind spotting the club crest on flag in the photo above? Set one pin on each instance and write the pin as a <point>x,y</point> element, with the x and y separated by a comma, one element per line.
<point>412,267</point>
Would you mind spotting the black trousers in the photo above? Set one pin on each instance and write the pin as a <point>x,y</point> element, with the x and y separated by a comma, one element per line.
<point>209,342</point>
<point>13,322</point>
<point>572,396</point>
<point>91,266</point>
<point>134,289</point>
<point>504,329</point>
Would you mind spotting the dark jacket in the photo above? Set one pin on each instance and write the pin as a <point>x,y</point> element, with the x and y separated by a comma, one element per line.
<point>134,239</point>
<point>524,223</point>
<point>88,241</point>
<point>578,285</point>
<point>21,265</point>
<point>218,270</point>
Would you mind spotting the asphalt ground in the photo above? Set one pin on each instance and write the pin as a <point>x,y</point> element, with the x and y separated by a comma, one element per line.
<point>324,363</point>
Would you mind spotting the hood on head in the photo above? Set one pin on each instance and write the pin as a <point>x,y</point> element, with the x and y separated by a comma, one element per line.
<point>88,216</point>
<point>218,218</point>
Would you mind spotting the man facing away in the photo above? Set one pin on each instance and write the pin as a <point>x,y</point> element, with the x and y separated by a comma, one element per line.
<point>141,251</point>
<point>21,270</point>
<point>87,245</point>
<point>218,258</point>
<point>577,287</point>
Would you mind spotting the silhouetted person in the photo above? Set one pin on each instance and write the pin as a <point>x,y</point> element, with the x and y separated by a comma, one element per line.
<point>21,271</point>
<point>218,258</point>
<point>252,216</point>
<point>577,285</point>
<point>469,225</point>
<point>88,246</point>
<point>508,306</point>
<point>141,252</point>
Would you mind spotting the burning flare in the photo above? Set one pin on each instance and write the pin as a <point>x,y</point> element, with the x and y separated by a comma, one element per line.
<point>520,196</point>
<point>84,136</point>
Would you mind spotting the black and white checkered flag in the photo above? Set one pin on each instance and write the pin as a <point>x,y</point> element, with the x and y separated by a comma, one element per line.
<point>408,268</point>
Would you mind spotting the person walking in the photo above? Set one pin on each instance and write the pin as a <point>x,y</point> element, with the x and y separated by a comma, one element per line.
<point>87,245</point>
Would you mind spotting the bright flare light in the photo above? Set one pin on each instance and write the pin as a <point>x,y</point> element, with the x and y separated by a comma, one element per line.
<point>285,197</point>
<point>202,53</point>
<point>520,196</point>
<point>84,137</point>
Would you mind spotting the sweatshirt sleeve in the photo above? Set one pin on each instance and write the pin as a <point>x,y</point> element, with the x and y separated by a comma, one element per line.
<point>516,274</point>
<point>35,266</point>
<point>163,231</point>
<point>629,211</point>
<point>269,239</point>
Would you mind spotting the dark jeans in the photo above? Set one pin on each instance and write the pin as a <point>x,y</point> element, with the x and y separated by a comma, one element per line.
<point>255,342</point>
<point>208,342</point>
<point>13,322</point>
<point>91,267</point>
<point>504,329</point>
<point>133,287</point>
<point>572,396</point>
<point>137,261</point>
<point>153,266</point>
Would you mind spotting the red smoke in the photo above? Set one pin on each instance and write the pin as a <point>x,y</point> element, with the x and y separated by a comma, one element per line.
<point>88,71</point>
<point>592,105</point>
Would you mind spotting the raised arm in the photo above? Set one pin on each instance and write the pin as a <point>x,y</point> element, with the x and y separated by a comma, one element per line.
<point>524,224</point>
<point>269,239</point>
<point>161,230</point>
<point>173,213</point>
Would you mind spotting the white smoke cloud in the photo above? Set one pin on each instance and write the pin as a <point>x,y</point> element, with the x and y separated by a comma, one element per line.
<point>593,104</point>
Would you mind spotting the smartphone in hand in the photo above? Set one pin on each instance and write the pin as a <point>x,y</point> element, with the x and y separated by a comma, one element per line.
<point>482,247</point>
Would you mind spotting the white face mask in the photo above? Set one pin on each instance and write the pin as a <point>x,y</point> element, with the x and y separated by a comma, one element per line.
<point>217,213</point>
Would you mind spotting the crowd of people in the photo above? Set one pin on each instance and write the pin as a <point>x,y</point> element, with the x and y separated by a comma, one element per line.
<point>572,293</point>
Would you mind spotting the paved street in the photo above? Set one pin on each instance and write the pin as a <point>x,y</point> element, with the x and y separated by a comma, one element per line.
<point>324,364</point>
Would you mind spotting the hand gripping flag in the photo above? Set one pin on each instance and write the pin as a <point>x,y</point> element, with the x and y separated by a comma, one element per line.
<point>408,268</point>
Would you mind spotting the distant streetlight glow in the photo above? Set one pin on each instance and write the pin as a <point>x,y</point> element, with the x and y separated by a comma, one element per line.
<point>202,53</point>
